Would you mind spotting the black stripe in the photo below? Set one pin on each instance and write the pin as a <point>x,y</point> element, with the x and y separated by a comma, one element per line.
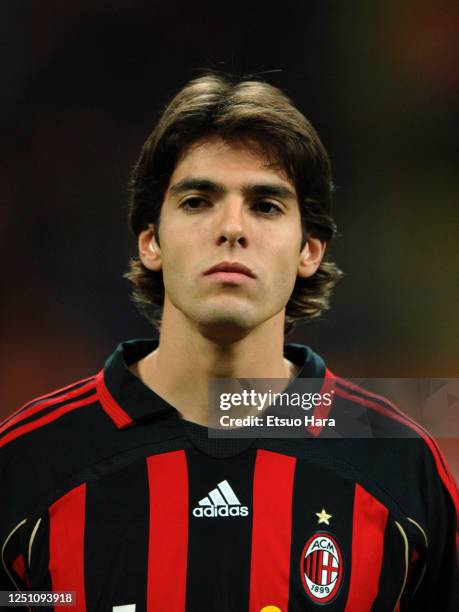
<point>317,488</point>
<point>116,539</point>
<point>219,547</point>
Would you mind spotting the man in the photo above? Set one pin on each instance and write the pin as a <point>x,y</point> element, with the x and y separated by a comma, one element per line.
<point>112,488</point>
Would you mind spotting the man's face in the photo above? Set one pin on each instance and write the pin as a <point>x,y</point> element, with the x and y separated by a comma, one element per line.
<point>225,205</point>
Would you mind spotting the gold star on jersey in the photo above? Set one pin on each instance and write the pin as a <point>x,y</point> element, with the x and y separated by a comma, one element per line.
<point>323,517</point>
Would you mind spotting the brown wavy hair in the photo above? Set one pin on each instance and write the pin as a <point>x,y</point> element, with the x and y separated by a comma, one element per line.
<point>257,113</point>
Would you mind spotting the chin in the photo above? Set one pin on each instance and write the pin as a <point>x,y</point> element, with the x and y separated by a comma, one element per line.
<point>226,327</point>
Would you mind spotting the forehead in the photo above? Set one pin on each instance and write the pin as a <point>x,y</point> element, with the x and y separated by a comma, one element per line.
<point>229,162</point>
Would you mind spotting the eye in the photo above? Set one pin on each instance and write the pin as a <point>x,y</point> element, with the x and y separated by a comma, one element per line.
<point>194,203</point>
<point>267,208</point>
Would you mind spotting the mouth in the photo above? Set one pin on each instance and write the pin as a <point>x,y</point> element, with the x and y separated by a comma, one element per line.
<point>230,272</point>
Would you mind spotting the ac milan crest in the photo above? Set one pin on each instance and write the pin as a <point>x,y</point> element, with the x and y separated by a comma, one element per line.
<point>322,568</point>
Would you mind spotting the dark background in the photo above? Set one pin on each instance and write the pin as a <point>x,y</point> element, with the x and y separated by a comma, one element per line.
<point>82,85</point>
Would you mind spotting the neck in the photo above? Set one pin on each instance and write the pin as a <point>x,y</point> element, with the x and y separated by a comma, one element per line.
<point>186,357</point>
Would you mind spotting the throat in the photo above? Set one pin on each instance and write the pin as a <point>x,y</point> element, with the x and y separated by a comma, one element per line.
<point>188,391</point>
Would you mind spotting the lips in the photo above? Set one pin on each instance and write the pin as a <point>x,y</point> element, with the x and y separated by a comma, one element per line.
<point>231,267</point>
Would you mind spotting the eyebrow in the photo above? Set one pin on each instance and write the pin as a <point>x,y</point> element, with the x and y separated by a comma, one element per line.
<point>197,184</point>
<point>272,190</point>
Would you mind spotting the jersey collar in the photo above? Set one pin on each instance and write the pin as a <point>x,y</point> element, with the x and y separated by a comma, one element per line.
<point>128,402</point>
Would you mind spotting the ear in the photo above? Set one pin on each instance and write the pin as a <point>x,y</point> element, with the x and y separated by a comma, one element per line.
<point>311,256</point>
<point>149,251</point>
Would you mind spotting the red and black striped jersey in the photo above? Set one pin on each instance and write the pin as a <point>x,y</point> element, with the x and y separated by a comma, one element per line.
<point>108,493</point>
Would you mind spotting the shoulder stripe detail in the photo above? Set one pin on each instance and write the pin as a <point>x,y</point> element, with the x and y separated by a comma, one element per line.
<point>111,407</point>
<point>442,467</point>
<point>374,396</point>
<point>78,383</point>
<point>321,411</point>
<point>40,405</point>
<point>44,420</point>
<point>404,418</point>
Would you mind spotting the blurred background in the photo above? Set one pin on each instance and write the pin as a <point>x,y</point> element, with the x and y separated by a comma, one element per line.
<point>82,85</point>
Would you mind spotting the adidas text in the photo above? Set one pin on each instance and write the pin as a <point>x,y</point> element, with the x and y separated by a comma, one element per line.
<point>216,511</point>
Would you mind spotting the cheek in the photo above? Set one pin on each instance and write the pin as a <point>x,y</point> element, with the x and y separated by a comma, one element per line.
<point>282,274</point>
<point>285,262</point>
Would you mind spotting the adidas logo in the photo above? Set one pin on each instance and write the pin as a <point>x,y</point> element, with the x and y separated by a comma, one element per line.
<point>221,501</point>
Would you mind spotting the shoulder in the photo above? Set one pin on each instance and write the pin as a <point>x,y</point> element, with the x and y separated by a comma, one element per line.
<point>41,443</point>
<point>53,438</point>
<point>37,414</point>
<point>412,447</point>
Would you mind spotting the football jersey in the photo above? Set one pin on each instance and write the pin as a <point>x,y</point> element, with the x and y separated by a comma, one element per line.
<point>108,493</point>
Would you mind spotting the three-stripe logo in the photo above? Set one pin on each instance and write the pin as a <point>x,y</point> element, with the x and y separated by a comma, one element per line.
<point>220,502</point>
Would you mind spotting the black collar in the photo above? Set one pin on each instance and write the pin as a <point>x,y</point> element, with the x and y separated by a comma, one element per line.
<point>128,401</point>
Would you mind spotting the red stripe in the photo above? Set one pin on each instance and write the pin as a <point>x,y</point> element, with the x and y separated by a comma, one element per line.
<point>44,420</point>
<point>46,404</point>
<point>168,536</point>
<point>19,567</point>
<point>444,472</point>
<point>271,530</point>
<point>308,566</point>
<point>321,411</point>
<point>368,528</point>
<point>66,545</point>
<point>37,399</point>
<point>110,405</point>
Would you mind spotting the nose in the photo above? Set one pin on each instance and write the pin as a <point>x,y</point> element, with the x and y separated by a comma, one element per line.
<point>232,226</point>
